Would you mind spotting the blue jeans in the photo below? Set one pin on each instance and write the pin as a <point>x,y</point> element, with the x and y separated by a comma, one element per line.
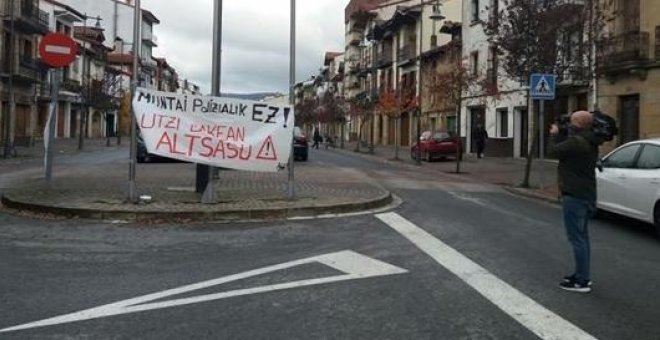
<point>576,217</point>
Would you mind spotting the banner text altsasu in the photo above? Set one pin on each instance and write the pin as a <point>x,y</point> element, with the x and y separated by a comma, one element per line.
<point>217,131</point>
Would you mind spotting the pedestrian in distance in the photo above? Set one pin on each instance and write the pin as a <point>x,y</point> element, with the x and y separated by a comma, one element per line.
<point>576,148</point>
<point>479,136</point>
<point>329,142</point>
<point>317,139</point>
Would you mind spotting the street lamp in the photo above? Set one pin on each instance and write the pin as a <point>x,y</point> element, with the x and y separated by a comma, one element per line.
<point>436,15</point>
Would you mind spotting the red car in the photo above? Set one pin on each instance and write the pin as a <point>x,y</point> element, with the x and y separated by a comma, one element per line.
<point>437,145</point>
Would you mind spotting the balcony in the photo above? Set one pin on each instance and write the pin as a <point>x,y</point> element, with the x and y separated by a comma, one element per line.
<point>384,60</point>
<point>28,18</point>
<point>148,63</point>
<point>624,52</point>
<point>406,54</point>
<point>574,75</point>
<point>27,70</point>
<point>354,37</point>
<point>71,85</point>
<point>150,38</point>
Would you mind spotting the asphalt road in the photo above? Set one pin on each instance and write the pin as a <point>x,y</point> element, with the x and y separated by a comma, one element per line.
<point>457,260</point>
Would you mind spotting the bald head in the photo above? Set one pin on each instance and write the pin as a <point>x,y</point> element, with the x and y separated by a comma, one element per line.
<point>582,119</point>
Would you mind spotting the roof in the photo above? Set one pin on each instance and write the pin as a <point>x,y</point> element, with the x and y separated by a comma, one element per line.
<point>68,8</point>
<point>147,15</point>
<point>118,58</point>
<point>91,34</point>
<point>360,6</point>
<point>330,56</point>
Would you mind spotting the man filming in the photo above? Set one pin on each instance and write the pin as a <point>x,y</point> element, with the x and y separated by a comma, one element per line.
<point>577,152</point>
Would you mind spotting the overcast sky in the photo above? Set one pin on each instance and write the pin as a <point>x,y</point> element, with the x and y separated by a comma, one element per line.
<point>255,54</point>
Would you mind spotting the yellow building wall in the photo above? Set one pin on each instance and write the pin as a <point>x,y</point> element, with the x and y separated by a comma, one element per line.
<point>649,101</point>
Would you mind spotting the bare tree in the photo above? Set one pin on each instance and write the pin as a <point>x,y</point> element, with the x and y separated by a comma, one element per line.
<point>545,37</point>
<point>393,103</point>
<point>453,82</point>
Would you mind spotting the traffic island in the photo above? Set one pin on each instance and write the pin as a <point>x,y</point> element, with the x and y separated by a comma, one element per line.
<point>99,194</point>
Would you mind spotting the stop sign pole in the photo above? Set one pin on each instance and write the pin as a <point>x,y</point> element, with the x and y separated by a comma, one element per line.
<point>56,50</point>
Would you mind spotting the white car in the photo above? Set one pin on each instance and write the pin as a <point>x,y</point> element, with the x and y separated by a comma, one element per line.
<point>629,183</point>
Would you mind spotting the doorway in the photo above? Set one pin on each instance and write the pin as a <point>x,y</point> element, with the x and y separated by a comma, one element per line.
<point>629,118</point>
<point>477,117</point>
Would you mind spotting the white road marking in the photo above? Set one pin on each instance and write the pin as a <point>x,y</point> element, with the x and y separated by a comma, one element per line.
<point>354,265</point>
<point>58,49</point>
<point>538,319</point>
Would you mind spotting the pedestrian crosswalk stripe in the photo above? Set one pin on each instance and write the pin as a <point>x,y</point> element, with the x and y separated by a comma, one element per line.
<point>538,319</point>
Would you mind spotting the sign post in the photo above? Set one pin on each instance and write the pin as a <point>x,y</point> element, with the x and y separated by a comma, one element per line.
<point>56,50</point>
<point>542,87</point>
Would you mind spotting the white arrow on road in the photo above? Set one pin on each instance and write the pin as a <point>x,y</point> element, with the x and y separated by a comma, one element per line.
<point>354,265</point>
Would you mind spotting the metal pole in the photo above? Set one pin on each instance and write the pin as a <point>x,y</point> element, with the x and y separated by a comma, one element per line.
<point>121,100</point>
<point>209,196</point>
<point>418,161</point>
<point>137,27</point>
<point>12,105</point>
<point>83,89</point>
<point>542,139</point>
<point>594,60</point>
<point>292,79</point>
<point>55,78</point>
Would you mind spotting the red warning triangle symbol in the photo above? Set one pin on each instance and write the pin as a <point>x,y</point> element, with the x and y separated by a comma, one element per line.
<point>267,151</point>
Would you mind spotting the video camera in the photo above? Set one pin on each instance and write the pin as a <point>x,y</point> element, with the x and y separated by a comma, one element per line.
<point>603,127</point>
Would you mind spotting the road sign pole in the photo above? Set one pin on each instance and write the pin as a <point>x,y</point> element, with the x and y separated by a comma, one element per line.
<point>55,78</point>
<point>209,196</point>
<point>137,25</point>
<point>542,140</point>
<point>292,79</point>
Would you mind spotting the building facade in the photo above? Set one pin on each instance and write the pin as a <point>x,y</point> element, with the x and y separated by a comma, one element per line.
<point>23,22</point>
<point>629,66</point>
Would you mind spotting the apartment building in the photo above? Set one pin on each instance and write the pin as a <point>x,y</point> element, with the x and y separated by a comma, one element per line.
<point>383,45</point>
<point>629,65</point>
<point>22,23</point>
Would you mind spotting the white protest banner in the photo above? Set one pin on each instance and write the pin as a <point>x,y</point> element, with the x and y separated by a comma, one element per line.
<point>217,131</point>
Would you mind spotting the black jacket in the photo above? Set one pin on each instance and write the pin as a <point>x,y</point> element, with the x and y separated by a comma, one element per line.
<point>578,156</point>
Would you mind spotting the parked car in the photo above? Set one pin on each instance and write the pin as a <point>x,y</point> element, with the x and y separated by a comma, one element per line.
<point>437,145</point>
<point>143,156</point>
<point>300,145</point>
<point>629,181</point>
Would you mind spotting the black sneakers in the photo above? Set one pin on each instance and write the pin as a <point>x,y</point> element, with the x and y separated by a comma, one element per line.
<point>569,278</point>
<point>570,284</point>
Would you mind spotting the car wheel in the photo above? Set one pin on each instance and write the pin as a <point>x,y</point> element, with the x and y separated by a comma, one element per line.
<point>428,156</point>
<point>304,158</point>
<point>141,159</point>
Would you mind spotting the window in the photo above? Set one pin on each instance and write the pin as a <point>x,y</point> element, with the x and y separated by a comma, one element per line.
<point>492,65</point>
<point>475,10</point>
<point>622,158</point>
<point>474,64</point>
<point>649,158</point>
<point>503,123</point>
<point>451,123</point>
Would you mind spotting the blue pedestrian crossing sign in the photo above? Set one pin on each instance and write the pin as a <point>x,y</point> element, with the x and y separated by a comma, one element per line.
<point>542,86</point>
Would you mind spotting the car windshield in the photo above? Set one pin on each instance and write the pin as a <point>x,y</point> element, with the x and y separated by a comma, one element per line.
<point>297,132</point>
<point>441,135</point>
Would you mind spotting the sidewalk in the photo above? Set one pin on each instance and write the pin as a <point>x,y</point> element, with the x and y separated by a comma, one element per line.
<point>506,172</point>
<point>99,191</point>
<point>62,146</point>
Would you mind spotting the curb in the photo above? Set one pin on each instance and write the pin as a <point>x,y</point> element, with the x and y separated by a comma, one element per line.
<point>239,215</point>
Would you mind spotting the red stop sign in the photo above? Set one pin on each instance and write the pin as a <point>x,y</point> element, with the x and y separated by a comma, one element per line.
<point>57,49</point>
